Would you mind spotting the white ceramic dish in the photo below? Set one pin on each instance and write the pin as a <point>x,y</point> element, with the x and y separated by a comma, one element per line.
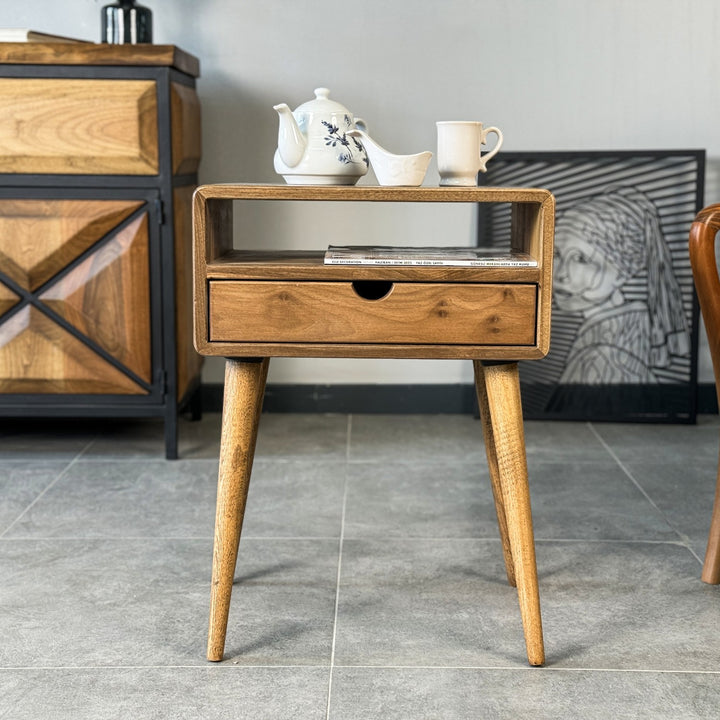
<point>390,169</point>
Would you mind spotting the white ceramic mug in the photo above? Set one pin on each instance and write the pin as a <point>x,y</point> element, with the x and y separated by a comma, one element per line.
<point>459,155</point>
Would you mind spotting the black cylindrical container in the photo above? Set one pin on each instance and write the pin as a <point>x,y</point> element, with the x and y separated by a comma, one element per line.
<point>126,22</point>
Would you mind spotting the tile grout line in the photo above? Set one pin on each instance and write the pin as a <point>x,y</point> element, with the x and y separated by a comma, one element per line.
<point>530,669</point>
<point>237,668</point>
<point>339,568</point>
<point>146,538</point>
<point>333,538</point>
<point>348,434</point>
<point>42,494</point>
<point>684,539</point>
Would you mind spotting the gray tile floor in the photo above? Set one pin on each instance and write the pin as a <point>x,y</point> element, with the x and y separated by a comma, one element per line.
<point>370,582</point>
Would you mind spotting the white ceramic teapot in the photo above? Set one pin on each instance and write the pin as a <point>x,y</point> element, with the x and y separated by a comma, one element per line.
<point>313,145</point>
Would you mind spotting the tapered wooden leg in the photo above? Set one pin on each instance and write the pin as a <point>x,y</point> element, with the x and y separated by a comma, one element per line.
<point>492,465</point>
<point>503,394</point>
<point>711,567</point>
<point>244,389</point>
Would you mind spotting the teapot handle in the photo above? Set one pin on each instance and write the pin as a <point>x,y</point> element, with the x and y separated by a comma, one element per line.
<point>361,125</point>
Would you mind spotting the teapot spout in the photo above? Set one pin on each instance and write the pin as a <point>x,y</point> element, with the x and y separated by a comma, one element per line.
<point>291,142</point>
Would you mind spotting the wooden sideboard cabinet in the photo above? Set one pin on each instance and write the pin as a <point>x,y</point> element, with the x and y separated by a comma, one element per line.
<point>99,151</point>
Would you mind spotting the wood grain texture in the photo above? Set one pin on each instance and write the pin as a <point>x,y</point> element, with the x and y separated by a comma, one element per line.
<point>215,258</point>
<point>502,386</point>
<point>372,193</point>
<point>78,126</point>
<point>38,53</point>
<point>419,351</point>
<point>212,228</point>
<point>212,237</point>
<point>711,566</point>
<point>186,138</point>
<point>495,481</point>
<point>705,275</point>
<point>533,231</point>
<point>707,284</point>
<point>91,111</point>
<point>8,299</point>
<point>38,238</point>
<point>293,309</point>
<point>189,363</point>
<point>107,297</point>
<point>244,389</point>
<point>309,265</point>
<point>445,313</point>
<point>39,356</point>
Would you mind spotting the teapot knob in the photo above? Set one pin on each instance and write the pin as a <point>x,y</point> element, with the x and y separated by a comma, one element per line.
<point>322,93</point>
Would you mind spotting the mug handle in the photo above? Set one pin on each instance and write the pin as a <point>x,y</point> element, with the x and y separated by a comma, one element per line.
<point>489,155</point>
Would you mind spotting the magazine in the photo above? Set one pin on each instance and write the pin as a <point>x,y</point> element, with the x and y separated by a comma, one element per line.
<point>458,256</point>
<point>27,35</point>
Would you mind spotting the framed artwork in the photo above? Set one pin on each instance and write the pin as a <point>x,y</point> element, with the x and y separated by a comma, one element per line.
<point>624,325</point>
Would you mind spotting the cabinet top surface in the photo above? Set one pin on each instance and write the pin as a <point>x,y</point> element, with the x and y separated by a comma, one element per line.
<point>372,193</point>
<point>81,53</point>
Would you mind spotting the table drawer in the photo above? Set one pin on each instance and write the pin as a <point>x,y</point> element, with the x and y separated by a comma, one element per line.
<point>372,312</point>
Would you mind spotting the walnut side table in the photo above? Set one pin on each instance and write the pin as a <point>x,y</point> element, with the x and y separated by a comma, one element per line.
<point>252,305</point>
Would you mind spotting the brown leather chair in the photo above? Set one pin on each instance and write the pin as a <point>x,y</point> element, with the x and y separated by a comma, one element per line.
<point>707,284</point>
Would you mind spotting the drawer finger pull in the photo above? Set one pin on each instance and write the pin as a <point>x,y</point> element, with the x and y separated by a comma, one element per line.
<point>372,289</point>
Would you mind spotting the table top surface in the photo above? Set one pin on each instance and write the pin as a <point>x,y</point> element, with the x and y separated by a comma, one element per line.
<point>371,193</point>
<point>437,312</point>
<point>98,54</point>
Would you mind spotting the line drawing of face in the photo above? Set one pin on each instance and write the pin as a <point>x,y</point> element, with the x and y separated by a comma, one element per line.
<point>585,278</point>
<point>603,244</point>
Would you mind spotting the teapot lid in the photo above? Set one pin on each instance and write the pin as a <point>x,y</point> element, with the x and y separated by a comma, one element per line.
<point>322,104</point>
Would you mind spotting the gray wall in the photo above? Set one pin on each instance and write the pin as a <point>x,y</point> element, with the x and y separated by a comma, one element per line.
<point>553,74</point>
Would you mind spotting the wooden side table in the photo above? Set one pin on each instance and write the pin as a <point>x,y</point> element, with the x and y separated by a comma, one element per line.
<point>253,305</point>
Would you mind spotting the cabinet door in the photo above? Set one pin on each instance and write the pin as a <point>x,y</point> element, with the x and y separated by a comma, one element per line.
<point>75,295</point>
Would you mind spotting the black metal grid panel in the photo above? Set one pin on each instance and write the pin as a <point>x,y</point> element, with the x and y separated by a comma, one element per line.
<point>673,180</point>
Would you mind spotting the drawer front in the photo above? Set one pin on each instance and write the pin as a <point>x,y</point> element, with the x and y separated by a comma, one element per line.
<point>74,126</point>
<point>345,312</point>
